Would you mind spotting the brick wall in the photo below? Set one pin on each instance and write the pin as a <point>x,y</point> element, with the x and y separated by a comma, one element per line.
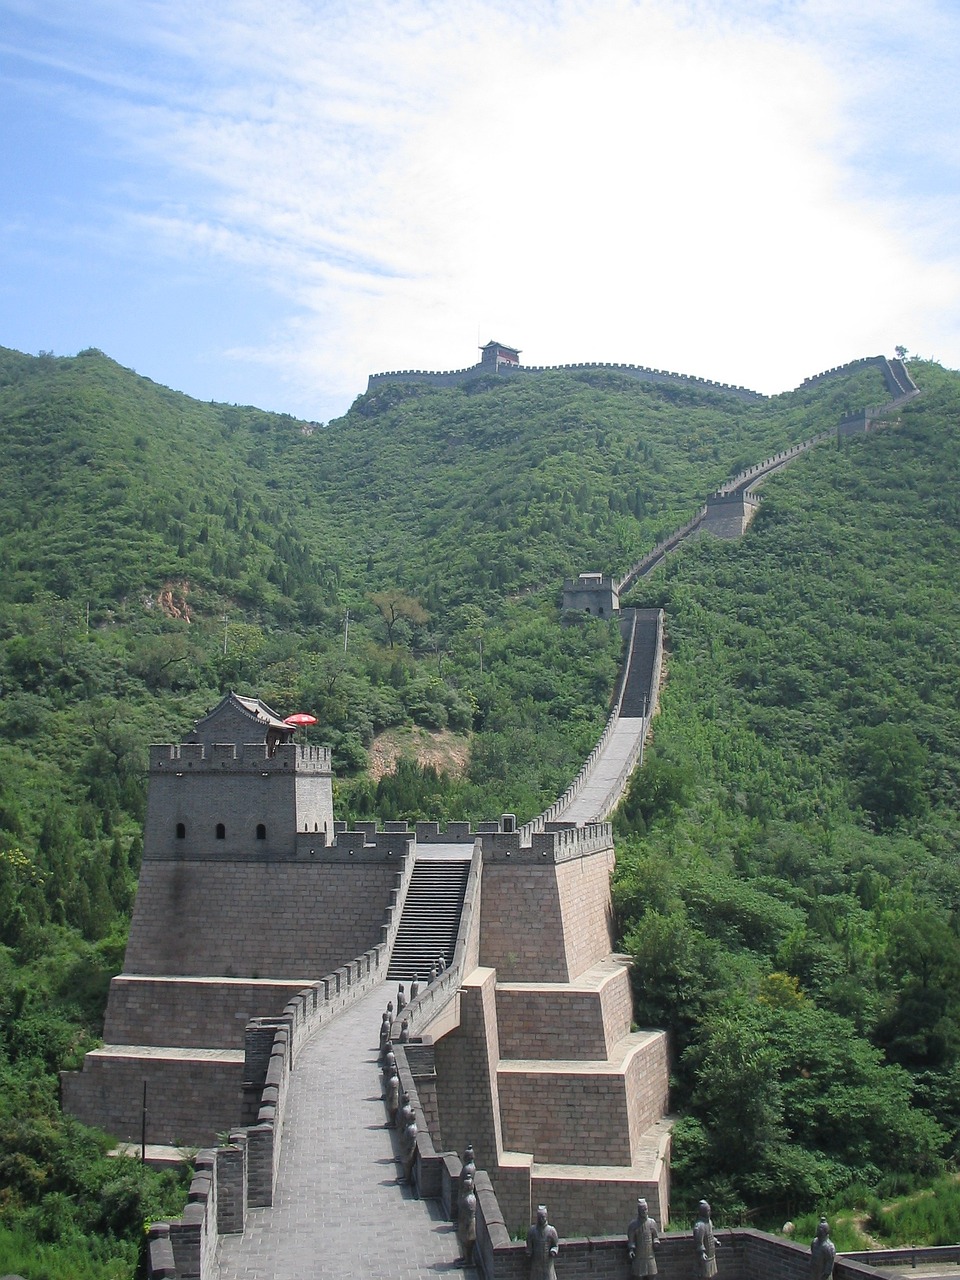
<point>193,1098</point>
<point>190,1012</point>
<point>549,1021</point>
<point>546,921</point>
<point>521,930</point>
<point>466,1062</point>
<point>593,1115</point>
<point>255,919</point>
<point>588,931</point>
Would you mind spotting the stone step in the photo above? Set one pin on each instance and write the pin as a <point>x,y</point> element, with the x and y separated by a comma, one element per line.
<point>431,918</point>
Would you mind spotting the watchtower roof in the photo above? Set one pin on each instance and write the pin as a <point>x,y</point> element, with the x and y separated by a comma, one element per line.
<point>235,718</point>
<point>501,349</point>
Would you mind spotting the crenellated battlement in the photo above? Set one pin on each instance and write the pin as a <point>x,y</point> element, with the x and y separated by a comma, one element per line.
<point>286,757</point>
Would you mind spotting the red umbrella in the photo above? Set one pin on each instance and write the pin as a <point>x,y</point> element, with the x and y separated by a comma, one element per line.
<point>300,719</point>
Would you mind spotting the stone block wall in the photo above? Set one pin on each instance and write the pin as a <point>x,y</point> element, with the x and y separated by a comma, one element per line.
<point>588,932</point>
<point>197,1095</point>
<point>607,1204</point>
<point>543,919</point>
<point>466,1063</point>
<point>589,1114</point>
<point>191,1013</point>
<point>280,920</point>
<point>546,1020</point>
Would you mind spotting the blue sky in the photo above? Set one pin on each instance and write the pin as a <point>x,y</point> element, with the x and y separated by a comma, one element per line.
<point>263,201</point>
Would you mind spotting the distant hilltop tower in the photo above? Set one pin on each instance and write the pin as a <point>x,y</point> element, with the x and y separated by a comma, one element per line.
<point>595,593</point>
<point>494,355</point>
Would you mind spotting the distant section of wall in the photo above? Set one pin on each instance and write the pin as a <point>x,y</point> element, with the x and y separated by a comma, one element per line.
<point>640,373</point>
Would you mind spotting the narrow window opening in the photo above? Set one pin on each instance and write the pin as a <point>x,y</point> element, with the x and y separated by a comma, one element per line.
<point>181,831</point>
<point>221,831</point>
<point>261,831</point>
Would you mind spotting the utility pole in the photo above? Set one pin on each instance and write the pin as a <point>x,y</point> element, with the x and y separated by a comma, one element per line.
<point>346,629</point>
<point>225,620</point>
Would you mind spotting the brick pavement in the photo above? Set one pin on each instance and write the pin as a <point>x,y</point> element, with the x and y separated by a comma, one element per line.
<point>338,1212</point>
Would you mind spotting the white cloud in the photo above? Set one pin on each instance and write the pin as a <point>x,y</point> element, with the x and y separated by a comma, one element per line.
<point>718,188</point>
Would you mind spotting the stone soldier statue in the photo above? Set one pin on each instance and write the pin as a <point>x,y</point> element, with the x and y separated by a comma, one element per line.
<point>705,1242</point>
<point>405,1114</point>
<point>642,1239</point>
<point>405,1031</point>
<point>409,1151</point>
<point>384,1031</point>
<point>543,1245</point>
<point>415,987</point>
<point>823,1253</point>
<point>393,1099</point>
<point>469,1167</point>
<point>389,1061</point>
<point>401,999</point>
<point>467,1221</point>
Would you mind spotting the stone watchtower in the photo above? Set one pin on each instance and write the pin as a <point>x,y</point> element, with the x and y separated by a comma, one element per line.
<point>243,899</point>
<point>237,787</point>
<point>594,593</point>
<point>495,355</point>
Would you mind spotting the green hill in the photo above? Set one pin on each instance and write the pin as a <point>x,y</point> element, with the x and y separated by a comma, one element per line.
<point>799,820</point>
<point>402,566</point>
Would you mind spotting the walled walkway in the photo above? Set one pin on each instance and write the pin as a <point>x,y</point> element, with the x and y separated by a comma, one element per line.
<point>602,790</point>
<point>337,1210</point>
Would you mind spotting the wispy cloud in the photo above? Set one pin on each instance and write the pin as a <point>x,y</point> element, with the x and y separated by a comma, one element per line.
<point>749,191</point>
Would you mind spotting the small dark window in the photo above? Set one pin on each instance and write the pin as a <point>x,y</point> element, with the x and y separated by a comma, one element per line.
<point>600,612</point>
<point>221,831</point>
<point>181,831</point>
<point>261,831</point>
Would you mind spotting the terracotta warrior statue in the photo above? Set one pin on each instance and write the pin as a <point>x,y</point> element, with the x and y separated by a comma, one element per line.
<point>705,1242</point>
<point>642,1239</point>
<point>543,1245</point>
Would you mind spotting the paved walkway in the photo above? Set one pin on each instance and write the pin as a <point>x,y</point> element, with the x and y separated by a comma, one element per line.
<point>599,794</point>
<point>338,1212</point>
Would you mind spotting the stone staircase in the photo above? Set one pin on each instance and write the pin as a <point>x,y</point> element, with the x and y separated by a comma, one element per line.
<point>431,915</point>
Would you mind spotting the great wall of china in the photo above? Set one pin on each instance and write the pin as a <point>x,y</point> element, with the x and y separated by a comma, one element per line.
<point>522,1045</point>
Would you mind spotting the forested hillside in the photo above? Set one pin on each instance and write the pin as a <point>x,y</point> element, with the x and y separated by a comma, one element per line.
<point>402,567</point>
<point>789,880</point>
